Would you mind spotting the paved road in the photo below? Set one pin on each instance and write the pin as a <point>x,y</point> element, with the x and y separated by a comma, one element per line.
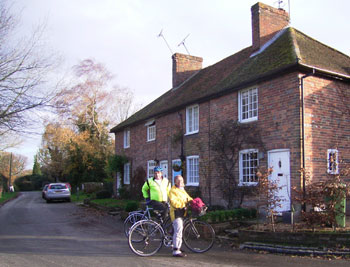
<point>34,233</point>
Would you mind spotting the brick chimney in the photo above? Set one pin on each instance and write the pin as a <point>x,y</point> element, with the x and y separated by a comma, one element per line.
<point>266,22</point>
<point>184,66</point>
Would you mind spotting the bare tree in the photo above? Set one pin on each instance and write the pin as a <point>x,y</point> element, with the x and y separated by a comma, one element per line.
<point>23,69</point>
<point>230,138</point>
<point>12,165</point>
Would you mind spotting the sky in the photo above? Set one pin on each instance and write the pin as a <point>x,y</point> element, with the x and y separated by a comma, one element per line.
<point>123,35</point>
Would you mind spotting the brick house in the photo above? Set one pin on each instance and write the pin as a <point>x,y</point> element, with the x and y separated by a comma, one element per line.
<point>290,86</point>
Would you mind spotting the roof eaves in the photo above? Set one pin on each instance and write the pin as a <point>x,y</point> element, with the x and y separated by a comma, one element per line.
<point>328,72</point>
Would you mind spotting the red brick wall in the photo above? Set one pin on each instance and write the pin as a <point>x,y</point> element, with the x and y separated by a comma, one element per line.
<point>326,123</point>
<point>279,117</point>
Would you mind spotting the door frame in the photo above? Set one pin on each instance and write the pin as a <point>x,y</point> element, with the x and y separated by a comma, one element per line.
<point>288,178</point>
<point>163,162</point>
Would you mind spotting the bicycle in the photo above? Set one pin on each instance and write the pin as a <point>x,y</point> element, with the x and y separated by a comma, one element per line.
<point>135,216</point>
<point>146,237</point>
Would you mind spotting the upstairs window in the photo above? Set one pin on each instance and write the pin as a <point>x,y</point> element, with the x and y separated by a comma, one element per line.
<point>126,138</point>
<point>248,105</point>
<point>193,170</point>
<point>192,119</point>
<point>332,161</point>
<point>150,168</point>
<point>127,173</point>
<point>151,132</point>
<point>248,164</point>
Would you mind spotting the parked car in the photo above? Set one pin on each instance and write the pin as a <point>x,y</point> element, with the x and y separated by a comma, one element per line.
<point>43,194</point>
<point>57,191</point>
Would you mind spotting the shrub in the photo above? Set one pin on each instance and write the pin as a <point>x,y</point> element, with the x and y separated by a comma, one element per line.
<point>228,215</point>
<point>103,194</point>
<point>131,206</point>
<point>124,193</point>
<point>215,207</point>
<point>92,187</point>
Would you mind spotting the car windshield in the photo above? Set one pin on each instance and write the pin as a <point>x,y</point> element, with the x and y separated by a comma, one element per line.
<point>57,186</point>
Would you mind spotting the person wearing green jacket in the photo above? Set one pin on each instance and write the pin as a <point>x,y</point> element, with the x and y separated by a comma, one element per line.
<point>155,190</point>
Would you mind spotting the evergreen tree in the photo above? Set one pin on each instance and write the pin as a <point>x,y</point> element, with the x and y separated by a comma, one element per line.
<point>36,166</point>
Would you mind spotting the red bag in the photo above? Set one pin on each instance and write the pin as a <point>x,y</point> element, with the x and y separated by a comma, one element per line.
<point>198,207</point>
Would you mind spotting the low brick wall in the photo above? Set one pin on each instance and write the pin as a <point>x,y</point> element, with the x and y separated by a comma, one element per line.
<point>329,240</point>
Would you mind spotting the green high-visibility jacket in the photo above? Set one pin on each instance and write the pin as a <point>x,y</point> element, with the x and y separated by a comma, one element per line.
<point>152,190</point>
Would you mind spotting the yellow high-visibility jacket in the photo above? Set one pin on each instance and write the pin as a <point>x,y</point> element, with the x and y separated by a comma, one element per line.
<point>178,200</point>
<point>152,190</point>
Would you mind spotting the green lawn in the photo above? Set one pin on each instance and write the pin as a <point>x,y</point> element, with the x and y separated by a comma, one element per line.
<point>7,195</point>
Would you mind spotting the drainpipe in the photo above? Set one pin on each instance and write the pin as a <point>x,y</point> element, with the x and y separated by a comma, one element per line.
<point>303,130</point>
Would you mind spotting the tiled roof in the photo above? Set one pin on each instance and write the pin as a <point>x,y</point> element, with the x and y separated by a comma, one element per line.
<point>291,49</point>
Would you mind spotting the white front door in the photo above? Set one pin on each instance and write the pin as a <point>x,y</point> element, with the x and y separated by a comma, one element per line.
<point>279,161</point>
<point>164,166</point>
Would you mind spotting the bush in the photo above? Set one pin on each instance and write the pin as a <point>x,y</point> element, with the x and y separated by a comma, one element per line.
<point>124,193</point>
<point>215,207</point>
<point>92,187</point>
<point>30,182</point>
<point>103,194</point>
<point>228,215</point>
<point>131,206</point>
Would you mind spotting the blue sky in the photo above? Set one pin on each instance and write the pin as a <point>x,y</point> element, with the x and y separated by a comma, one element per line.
<point>122,34</point>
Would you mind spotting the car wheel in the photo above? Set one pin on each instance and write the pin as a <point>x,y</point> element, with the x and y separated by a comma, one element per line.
<point>48,201</point>
<point>68,199</point>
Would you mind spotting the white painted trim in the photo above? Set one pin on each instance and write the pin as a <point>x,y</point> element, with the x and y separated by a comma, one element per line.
<point>187,120</point>
<point>187,170</point>
<point>148,133</point>
<point>240,105</point>
<point>167,165</point>
<point>336,151</point>
<point>240,167</point>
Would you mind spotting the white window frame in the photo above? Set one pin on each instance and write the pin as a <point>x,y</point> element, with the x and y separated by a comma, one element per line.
<point>241,167</point>
<point>127,138</point>
<point>192,175</point>
<point>333,168</point>
<point>127,173</point>
<point>151,133</point>
<point>150,168</point>
<point>250,92</point>
<point>192,119</point>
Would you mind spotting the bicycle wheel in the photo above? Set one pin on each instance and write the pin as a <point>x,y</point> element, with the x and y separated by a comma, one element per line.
<point>146,238</point>
<point>198,236</point>
<point>131,220</point>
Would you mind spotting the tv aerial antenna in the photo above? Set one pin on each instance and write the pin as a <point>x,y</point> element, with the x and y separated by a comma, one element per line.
<point>183,43</point>
<point>161,35</point>
<point>281,5</point>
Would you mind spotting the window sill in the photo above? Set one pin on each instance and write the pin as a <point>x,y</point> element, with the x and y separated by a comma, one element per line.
<point>248,120</point>
<point>193,184</point>
<point>148,141</point>
<point>192,133</point>
<point>248,184</point>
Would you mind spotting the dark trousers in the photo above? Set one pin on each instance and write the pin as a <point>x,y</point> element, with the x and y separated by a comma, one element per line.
<point>160,206</point>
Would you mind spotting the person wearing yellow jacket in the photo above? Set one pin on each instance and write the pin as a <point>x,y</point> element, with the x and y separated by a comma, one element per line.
<point>155,190</point>
<point>178,200</point>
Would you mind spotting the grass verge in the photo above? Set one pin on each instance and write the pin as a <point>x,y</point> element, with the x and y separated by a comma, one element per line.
<point>7,196</point>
